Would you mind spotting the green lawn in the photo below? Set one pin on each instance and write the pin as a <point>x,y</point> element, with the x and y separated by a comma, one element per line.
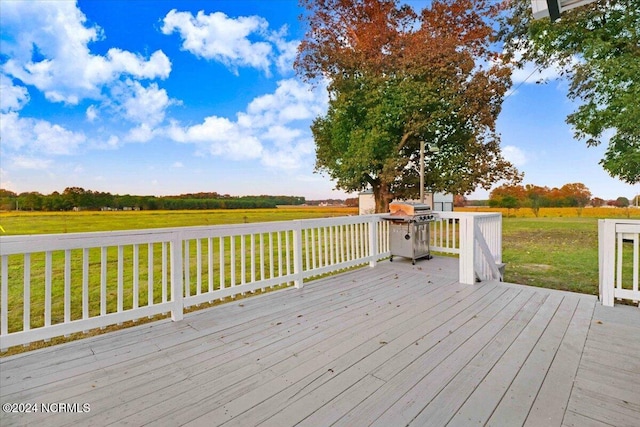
<point>558,253</point>
<point>15,223</point>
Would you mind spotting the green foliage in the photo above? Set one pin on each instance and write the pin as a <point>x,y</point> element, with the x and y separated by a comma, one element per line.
<point>622,202</point>
<point>598,48</point>
<point>396,78</point>
<point>81,199</point>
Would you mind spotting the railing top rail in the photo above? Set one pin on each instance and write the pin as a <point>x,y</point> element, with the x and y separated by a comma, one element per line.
<point>44,242</point>
<point>456,214</point>
<point>622,221</point>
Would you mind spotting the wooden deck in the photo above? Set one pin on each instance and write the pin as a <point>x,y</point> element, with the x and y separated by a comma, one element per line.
<point>386,346</point>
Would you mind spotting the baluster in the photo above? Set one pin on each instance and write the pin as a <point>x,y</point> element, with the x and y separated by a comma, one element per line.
<point>253,257</point>
<point>67,286</point>
<point>262,260</point>
<point>222,264</point>
<point>198,266</point>
<point>313,248</point>
<point>279,233</point>
<point>103,280</point>
<point>210,264</point>
<point>47,287</point>
<point>232,262</point>
<point>288,255</point>
<point>271,260</point>
<point>120,278</point>
<point>26,301</point>
<point>150,269</point>
<point>187,271</point>
<point>164,272</point>
<point>4,296</point>
<point>85,283</point>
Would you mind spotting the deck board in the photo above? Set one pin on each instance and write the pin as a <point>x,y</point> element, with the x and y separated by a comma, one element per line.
<point>392,345</point>
<point>607,384</point>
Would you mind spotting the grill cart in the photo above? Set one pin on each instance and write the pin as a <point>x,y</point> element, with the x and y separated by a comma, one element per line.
<point>409,233</point>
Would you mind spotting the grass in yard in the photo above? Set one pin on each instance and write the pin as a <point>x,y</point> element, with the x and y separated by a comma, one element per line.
<point>16,223</point>
<point>557,253</point>
<point>558,249</point>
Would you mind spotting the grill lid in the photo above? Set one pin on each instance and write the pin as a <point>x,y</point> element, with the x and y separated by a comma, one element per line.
<point>408,208</point>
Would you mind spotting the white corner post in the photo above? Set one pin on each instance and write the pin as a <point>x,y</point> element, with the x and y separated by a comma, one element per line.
<point>607,260</point>
<point>467,250</point>
<point>373,240</point>
<point>177,278</point>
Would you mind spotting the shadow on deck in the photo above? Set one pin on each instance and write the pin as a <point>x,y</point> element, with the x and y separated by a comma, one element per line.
<point>387,346</point>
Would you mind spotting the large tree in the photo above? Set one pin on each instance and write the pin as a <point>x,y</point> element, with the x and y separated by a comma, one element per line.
<point>397,77</point>
<point>597,47</point>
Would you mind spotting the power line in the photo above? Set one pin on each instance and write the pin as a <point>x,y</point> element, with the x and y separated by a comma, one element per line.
<point>522,82</point>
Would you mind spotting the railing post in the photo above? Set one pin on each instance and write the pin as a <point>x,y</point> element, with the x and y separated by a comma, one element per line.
<point>373,240</point>
<point>177,277</point>
<point>467,273</point>
<point>297,254</point>
<point>607,257</point>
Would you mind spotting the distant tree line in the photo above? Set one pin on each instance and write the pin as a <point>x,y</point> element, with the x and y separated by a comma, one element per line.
<point>535,197</point>
<point>81,199</point>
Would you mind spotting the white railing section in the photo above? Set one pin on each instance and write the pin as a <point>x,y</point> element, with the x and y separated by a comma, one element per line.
<point>618,256</point>
<point>53,285</point>
<point>476,238</point>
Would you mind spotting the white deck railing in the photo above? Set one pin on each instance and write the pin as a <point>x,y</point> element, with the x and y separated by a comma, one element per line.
<point>476,238</point>
<point>618,255</point>
<point>54,285</point>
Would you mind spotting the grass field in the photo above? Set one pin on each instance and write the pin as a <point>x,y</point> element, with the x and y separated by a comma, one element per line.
<point>558,249</point>
<point>15,223</point>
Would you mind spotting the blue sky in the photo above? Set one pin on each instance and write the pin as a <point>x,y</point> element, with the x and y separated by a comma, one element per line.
<point>168,97</point>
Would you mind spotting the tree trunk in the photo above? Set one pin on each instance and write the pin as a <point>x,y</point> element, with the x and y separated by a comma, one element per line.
<point>382,197</point>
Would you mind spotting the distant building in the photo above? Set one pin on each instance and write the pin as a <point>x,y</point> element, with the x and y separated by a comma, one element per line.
<point>366,203</point>
<point>437,201</point>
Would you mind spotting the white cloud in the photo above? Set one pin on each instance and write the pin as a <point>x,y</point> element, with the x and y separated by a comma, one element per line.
<point>177,165</point>
<point>27,162</point>
<point>142,105</point>
<point>288,50</point>
<point>5,179</point>
<point>91,113</point>
<point>37,135</point>
<point>291,101</point>
<point>13,97</point>
<point>111,143</point>
<point>281,134</point>
<point>245,41</point>
<point>266,130</point>
<point>219,136</point>
<point>216,36</point>
<point>273,128</point>
<point>288,156</point>
<point>514,155</point>
<point>142,133</point>
<point>47,47</point>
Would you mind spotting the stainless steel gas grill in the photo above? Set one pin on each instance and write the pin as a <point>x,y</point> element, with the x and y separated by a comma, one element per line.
<point>409,230</point>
